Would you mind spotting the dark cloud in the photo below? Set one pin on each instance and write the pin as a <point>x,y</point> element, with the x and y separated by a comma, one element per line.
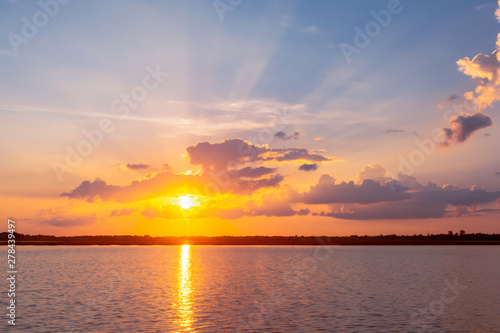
<point>463,126</point>
<point>417,202</point>
<point>222,163</point>
<point>497,174</point>
<point>249,172</point>
<point>369,191</point>
<point>308,167</point>
<point>389,131</point>
<point>303,212</point>
<point>233,152</point>
<point>279,209</point>
<point>219,156</point>
<point>418,208</point>
<point>139,166</point>
<point>282,135</point>
<point>294,154</point>
<point>70,221</point>
<point>91,191</point>
<point>249,186</point>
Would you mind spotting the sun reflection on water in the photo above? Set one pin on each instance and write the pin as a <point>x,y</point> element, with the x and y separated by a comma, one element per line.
<point>184,288</point>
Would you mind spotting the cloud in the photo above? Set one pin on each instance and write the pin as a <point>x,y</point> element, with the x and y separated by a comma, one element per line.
<point>319,139</point>
<point>150,213</point>
<point>429,203</point>
<point>484,6</point>
<point>90,191</point>
<point>245,187</point>
<point>70,221</point>
<point>308,167</point>
<point>305,211</point>
<point>463,126</point>
<point>461,211</point>
<point>218,156</point>
<point>389,131</point>
<point>326,191</point>
<point>142,189</point>
<point>276,203</point>
<point>123,212</point>
<point>165,212</point>
<point>249,172</point>
<point>497,174</point>
<point>286,20</point>
<point>409,199</point>
<point>282,135</point>
<point>418,208</point>
<point>139,166</point>
<point>161,183</point>
<point>232,152</point>
<point>395,131</point>
<point>294,154</point>
<point>485,70</point>
<point>222,172</point>
<point>271,208</point>
<point>310,29</point>
<point>372,171</point>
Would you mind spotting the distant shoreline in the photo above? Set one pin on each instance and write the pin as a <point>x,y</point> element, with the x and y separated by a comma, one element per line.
<point>249,244</point>
<point>441,239</point>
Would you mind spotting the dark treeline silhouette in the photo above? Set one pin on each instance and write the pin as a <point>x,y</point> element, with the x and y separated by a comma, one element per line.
<point>450,238</point>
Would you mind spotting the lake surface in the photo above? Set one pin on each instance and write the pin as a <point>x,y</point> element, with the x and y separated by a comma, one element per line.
<point>257,289</point>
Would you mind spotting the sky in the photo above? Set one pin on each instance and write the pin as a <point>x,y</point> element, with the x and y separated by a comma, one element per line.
<point>238,117</point>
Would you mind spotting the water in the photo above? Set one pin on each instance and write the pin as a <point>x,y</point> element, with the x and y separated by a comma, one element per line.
<point>257,289</point>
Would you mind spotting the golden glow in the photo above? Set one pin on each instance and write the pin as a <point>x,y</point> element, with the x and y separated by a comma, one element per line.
<point>184,288</point>
<point>186,201</point>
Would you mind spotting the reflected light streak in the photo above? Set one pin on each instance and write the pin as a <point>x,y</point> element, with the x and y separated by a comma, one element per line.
<point>184,288</point>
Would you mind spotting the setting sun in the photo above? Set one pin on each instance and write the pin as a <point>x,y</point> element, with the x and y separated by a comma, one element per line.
<point>186,201</point>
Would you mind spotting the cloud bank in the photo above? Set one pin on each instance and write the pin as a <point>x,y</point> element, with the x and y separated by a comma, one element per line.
<point>392,199</point>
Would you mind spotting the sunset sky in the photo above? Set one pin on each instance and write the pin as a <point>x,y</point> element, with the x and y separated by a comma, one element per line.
<point>249,117</point>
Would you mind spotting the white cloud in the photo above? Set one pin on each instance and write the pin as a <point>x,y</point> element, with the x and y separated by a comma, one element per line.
<point>310,29</point>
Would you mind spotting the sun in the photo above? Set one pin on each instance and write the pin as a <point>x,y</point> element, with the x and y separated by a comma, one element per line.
<point>186,201</point>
